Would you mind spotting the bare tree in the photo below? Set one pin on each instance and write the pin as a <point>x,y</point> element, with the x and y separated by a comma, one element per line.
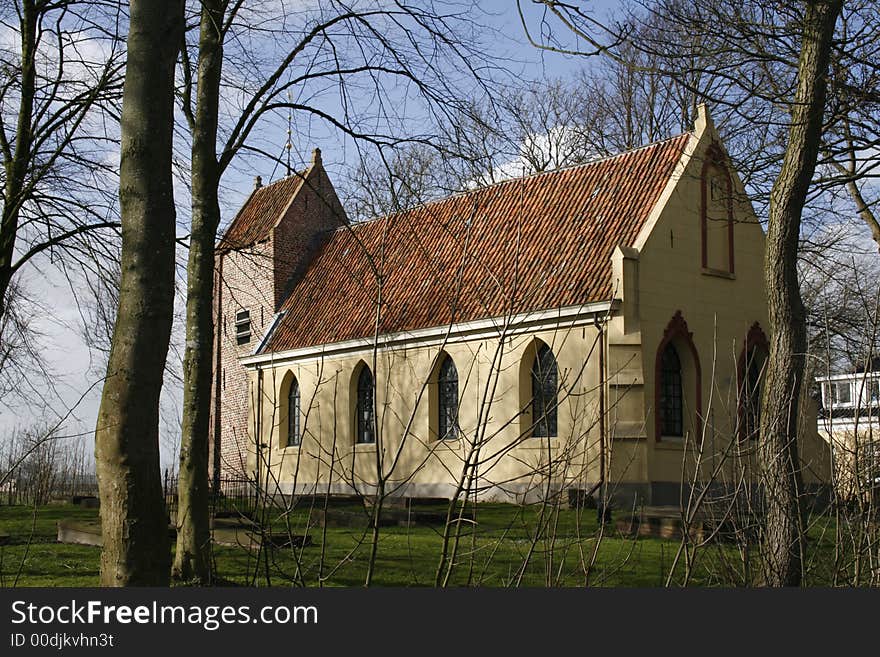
<point>134,525</point>
<point>350,44</point>
<point>192,558</point>
<point>24,371</point>
<point>783,530</point>
<point>733,35</point>
<point>57,96</point>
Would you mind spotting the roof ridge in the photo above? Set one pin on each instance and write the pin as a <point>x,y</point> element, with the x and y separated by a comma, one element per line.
<point>533,175</point>
<point>297,174</point>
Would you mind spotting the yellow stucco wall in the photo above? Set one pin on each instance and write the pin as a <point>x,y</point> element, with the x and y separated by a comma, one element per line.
<point>494,415</point>
<point>719,308</point>
<point>855,454</point>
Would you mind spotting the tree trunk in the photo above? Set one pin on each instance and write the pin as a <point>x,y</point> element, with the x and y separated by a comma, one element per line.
<point>136,549</point>
<point>192,561</point>
<point>782,538</point>
<point>16,166</point>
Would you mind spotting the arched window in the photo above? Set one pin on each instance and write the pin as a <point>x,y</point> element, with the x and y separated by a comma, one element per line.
<point>545,380</point>
<point>671,404</point>
<point>365,419</point>
<point>294,437</point>
<point>716,213</point>
<point>750,372</point>
<point>751,397</point>
<point>447,397</point>
<point>677,383</point>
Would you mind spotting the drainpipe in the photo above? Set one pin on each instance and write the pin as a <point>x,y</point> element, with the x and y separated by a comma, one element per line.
<point>218,376</point>
<point>598,486</point>
<point>258,429</point>
<point>602,382</point>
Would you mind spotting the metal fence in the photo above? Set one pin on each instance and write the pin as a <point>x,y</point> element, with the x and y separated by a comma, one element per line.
<point>227,496</point>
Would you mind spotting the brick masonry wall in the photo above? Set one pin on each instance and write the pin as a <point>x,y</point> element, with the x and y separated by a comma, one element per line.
<point>312,215</point>
<point>258,279</point>
<point>246,283</point>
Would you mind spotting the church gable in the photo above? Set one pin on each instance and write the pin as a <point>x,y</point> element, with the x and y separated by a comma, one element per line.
<point>258,216</point>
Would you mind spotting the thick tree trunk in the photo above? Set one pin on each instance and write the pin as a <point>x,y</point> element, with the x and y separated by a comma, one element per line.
<point>783,533</point>
<point>16,166</point>
<point>192,561</point>
<point>136,549</point>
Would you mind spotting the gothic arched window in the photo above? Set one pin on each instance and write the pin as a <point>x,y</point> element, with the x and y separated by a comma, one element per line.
<point>447,397</point>
<point>716,213</point>
<point>365,419</point>
<point>294,437</point>
<point>752,394</point>
<point>545,380</point>
<point>670,393</point>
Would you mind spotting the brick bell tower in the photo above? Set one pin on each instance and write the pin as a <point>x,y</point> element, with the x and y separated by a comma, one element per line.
<point>262,254</point>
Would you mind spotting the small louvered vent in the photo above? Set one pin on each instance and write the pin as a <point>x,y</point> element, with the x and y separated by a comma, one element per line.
<point>243,326</point>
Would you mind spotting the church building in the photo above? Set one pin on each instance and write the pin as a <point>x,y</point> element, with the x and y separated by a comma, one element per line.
<point>600,328</point>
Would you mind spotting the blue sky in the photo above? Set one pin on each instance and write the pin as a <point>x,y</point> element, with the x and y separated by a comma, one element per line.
<point>76,369</point>
<point>505,42</point>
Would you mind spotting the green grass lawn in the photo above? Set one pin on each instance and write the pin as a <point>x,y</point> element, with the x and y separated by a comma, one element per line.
<point>41,561</point>
<point>492,552</point>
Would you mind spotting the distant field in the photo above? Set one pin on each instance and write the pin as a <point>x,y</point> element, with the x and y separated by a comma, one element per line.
<point>491,552</point>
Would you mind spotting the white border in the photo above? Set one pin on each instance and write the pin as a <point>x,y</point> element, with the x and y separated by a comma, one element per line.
<point>573,316</point>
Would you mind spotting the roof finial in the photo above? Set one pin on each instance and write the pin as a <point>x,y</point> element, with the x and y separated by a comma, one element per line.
<point>258,182</point>
<point>316,156</point>
<point>703,119</point>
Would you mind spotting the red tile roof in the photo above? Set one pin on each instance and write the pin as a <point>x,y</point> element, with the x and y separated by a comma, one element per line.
<point>536,243</point>
<point>260,212</point>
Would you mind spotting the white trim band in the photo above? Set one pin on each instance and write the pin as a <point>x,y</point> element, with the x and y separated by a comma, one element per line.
<point>482,329</point>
